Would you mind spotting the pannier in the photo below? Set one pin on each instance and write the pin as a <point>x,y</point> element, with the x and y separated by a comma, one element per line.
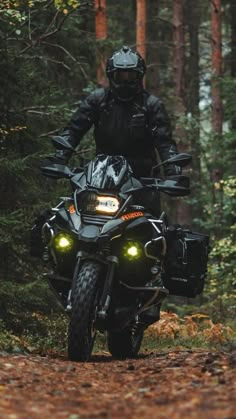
<point>185,264</point>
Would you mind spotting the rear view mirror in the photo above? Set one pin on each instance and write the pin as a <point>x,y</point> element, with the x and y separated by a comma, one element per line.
<point>62,143</point>
<point>181,159</point>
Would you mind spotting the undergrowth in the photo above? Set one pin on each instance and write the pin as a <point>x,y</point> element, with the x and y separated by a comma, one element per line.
<point>190,331</point>
<point>172,331</point>
<point>31,321</point>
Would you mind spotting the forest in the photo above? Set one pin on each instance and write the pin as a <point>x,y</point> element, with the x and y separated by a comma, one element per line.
<point>53,53</point>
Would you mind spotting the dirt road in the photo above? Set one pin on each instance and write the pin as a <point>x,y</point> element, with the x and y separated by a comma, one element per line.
<point>179,384</point>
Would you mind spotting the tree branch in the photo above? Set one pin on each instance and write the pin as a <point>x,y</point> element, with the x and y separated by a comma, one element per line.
<point>69,55</point>
<point>62,48</point>
<point>31,108</point>
<point>47,59</point>
<point>47,34</point>
<point>39,112</point>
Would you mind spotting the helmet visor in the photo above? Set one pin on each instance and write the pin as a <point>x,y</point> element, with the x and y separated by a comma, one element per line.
<point>120,76</point>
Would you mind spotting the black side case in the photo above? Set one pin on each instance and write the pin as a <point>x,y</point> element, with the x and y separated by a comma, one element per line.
<point>185,264</point>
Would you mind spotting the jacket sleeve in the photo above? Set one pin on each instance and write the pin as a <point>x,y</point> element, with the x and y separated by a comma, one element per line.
<point>81,121</point>
<point>161,133</point>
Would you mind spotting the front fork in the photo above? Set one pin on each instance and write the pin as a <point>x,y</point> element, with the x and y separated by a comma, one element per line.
<point>108,285</point>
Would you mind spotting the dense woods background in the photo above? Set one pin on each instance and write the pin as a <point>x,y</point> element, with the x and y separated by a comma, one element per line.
<point>52,54</point>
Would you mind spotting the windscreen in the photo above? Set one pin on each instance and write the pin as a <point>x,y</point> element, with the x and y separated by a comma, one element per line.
<point>107,172</point>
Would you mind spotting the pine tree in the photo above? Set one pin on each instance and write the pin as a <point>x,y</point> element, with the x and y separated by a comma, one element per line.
<point>182,208</point>
<point>193,15</point>
<point>101,35</point>
<point>217,109</point>
<point>141,28</point>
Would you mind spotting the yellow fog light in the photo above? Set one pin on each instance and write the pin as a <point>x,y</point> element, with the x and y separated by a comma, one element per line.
<point>63,242</point>
<point>132,250</point>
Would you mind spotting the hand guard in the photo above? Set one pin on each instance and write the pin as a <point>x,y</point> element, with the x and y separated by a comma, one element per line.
<point>60,157</point>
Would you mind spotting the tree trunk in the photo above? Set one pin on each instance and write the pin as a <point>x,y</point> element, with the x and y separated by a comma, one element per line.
<point>152,38</point>
<point>193,95</point>
<point>141,28</point>
<point>183,210</point>
<point>101,35</point>
<point>217,109</point>
<point>233,47</point>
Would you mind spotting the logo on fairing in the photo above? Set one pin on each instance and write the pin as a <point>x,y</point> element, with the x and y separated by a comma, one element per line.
<point>132,215</point>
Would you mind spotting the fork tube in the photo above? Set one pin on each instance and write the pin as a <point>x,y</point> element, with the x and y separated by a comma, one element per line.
<point>106,295</point>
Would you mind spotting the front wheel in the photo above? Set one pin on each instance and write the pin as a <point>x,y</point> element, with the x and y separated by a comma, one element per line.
<point>124,344</point>
<point>81,333</point>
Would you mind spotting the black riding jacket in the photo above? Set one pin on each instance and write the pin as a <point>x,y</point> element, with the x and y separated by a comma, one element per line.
<point>132,129</point>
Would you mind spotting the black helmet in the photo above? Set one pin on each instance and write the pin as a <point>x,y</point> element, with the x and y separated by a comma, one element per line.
<point>125,71</point>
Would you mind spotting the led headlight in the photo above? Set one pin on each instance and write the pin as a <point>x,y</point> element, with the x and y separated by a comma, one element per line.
<point>92,203</point>
<point>107,204</point>
<point>63,242</point>
<point>132,250</point>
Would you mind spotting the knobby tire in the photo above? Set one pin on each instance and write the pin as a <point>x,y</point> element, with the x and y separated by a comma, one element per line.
<point>81,333</point>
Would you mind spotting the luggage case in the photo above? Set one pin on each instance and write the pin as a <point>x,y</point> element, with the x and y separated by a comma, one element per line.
<point>185,265</point>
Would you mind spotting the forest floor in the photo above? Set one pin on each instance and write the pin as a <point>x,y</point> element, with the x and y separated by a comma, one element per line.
<point>171,384</point>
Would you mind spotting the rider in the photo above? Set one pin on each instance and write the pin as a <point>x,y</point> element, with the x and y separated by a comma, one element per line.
<point>127,120</point>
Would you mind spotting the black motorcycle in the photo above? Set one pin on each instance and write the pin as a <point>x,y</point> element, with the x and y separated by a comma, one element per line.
<point>113,261</point>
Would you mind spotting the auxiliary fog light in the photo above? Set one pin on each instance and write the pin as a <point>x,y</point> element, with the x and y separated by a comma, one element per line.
<point>132,250</point>
<point>63,242</point>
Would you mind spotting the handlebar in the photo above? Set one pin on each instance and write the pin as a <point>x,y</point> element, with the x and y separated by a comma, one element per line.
<point>178,186</point>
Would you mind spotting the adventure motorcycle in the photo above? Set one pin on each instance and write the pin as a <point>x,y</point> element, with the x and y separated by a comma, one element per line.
<point>113,262</point>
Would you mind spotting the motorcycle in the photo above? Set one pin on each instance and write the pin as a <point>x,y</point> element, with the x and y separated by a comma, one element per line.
<point>113,261</point>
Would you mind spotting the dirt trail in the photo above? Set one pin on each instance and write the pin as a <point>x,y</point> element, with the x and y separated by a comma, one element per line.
<point>176,384</point>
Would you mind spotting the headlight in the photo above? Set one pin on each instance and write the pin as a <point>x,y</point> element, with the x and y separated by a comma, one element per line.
<point>63,242</point>
<point>107,204</point>
<point>91,203</point>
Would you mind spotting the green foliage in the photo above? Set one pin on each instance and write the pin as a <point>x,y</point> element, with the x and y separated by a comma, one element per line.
<point>221,286</point>
<point>39,68</point>
<point>229,205</point>
<point>229,94</point>
<point>63,5</point>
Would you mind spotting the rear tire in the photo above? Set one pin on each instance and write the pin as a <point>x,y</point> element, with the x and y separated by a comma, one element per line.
<point>124,344</point>
<point>82,332</point>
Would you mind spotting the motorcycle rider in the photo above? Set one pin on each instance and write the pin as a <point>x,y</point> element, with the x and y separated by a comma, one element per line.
<point>127,120</point>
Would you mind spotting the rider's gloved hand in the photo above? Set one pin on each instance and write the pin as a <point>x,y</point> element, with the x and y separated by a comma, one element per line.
<point>172,170</point>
